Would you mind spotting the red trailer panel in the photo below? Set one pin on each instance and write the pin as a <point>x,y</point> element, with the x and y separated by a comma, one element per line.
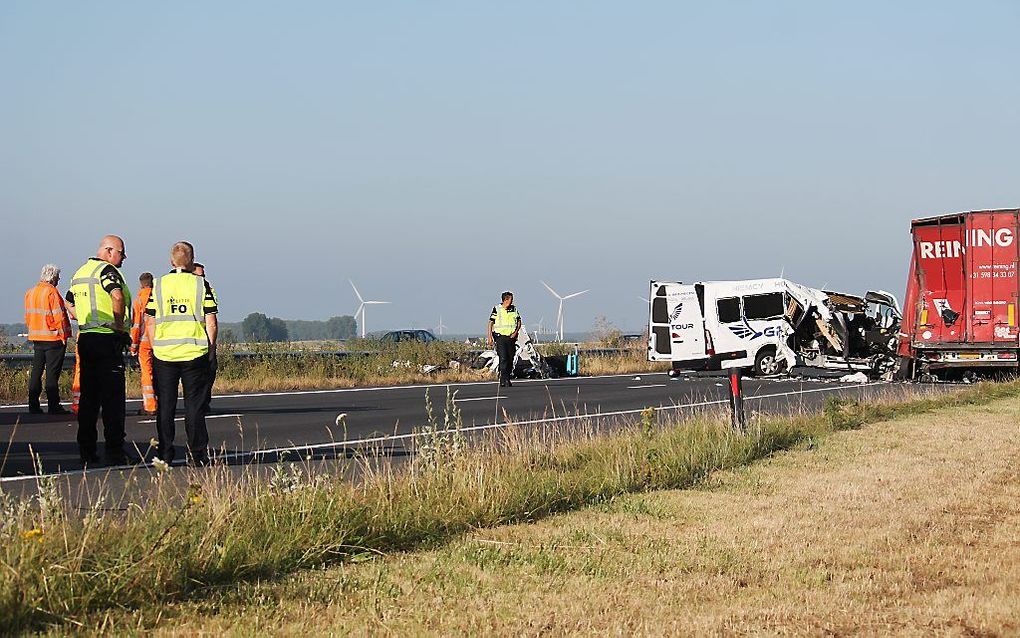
<point>962,293</point>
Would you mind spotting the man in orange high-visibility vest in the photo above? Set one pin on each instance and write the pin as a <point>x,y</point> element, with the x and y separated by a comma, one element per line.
<point>75,382</point>
<point>49,327</point>
<point>141,346</point>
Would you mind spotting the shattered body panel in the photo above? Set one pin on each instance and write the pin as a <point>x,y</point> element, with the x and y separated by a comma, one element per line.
<point>771,325</point>
<point>528,363</point>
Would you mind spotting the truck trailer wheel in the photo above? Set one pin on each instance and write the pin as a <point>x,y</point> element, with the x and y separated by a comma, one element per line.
<point>904,369</point>
<point>766,363</point>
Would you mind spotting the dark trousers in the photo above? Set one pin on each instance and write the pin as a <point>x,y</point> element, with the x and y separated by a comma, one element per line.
<point>506,349</point>
<point>194,376</point>
<point>101,367</point>
<point>208,387</point>
<point>49,356</point>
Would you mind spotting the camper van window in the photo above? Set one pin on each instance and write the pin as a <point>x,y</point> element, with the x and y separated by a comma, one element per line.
<point>660,314</point>
<point>768,306</point>
<point>729,309</point>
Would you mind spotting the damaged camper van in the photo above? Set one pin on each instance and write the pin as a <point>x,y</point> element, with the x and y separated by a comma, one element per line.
<point>770,326</point>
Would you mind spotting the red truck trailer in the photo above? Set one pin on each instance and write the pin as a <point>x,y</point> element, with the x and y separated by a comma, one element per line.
<point>960,310</point>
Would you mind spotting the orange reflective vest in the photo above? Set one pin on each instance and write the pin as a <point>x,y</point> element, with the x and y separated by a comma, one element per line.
<point>45,314</point>
<point>139,335</point>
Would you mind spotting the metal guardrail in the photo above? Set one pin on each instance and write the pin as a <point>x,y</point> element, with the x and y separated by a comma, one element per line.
<point>19,360</point>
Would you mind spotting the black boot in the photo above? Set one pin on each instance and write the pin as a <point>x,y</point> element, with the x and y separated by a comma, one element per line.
<point>116,456</point>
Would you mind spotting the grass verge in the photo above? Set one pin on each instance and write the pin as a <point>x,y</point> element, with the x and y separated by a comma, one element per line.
<point>301,369</point>
<point>62,565</point>
<point>905,527</point>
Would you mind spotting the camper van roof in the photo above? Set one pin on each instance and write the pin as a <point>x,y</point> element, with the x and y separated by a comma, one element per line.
<point>733,282</point>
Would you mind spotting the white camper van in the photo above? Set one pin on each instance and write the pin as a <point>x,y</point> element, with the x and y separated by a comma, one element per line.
<point>770,326</point>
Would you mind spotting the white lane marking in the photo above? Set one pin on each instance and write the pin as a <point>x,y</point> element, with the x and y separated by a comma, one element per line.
<point>479,399</point>
<point>462,384</point>
<point>572,417</point>
<point>650,385</point>
<point>475,428</point>
<point>214,416</point>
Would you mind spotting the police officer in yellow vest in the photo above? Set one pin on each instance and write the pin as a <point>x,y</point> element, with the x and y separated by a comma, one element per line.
<point>183,346</point>
<point>504,324</point>
<point>101,302</point>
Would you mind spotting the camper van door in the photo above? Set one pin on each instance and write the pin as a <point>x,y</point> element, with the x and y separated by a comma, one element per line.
<point>676,325</point>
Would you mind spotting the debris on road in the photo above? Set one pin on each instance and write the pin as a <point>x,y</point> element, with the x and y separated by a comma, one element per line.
<point>528,363</point>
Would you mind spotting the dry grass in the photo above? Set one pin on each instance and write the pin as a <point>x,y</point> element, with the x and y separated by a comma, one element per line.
<point>310,371</point>
<point>908,527</point>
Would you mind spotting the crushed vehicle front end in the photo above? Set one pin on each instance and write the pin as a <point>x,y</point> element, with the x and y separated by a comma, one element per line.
<point>851,333</point>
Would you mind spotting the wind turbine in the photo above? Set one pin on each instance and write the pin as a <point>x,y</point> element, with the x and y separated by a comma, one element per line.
<point>559,312</point>
<point>361,308</point>
<point>440,327</point>
<point>540,327</point>
<point>538,330</point>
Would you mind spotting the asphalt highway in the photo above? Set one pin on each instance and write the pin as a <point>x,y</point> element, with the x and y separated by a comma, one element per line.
<point>264,427</point>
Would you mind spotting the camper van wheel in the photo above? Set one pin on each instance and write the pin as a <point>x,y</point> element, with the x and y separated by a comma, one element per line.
<point>766,363</point>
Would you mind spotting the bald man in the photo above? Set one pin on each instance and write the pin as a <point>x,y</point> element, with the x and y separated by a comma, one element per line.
<point>101,301</point>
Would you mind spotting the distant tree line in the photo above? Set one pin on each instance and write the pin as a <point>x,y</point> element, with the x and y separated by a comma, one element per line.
<point>259,328</point>
<point>9,339</point>
<point>256,327</point>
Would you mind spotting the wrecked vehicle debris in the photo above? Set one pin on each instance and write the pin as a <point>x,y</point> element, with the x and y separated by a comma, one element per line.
<point>771,326</point>
<point>528,363</point>
<point>856,377</point>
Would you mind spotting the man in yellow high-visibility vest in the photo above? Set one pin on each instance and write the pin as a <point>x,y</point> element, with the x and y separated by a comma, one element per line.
<point>101,302</point>
<point>183,338</point>
<point>504,324</point>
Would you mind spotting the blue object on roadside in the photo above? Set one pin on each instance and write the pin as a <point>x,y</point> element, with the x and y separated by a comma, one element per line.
<point>572,366</point>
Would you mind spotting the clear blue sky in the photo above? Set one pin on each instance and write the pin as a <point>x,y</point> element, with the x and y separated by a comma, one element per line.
<point>439,152</point>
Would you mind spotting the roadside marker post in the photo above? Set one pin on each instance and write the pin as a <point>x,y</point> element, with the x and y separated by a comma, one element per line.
<point>737,399</point>
<point>730,362</point>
